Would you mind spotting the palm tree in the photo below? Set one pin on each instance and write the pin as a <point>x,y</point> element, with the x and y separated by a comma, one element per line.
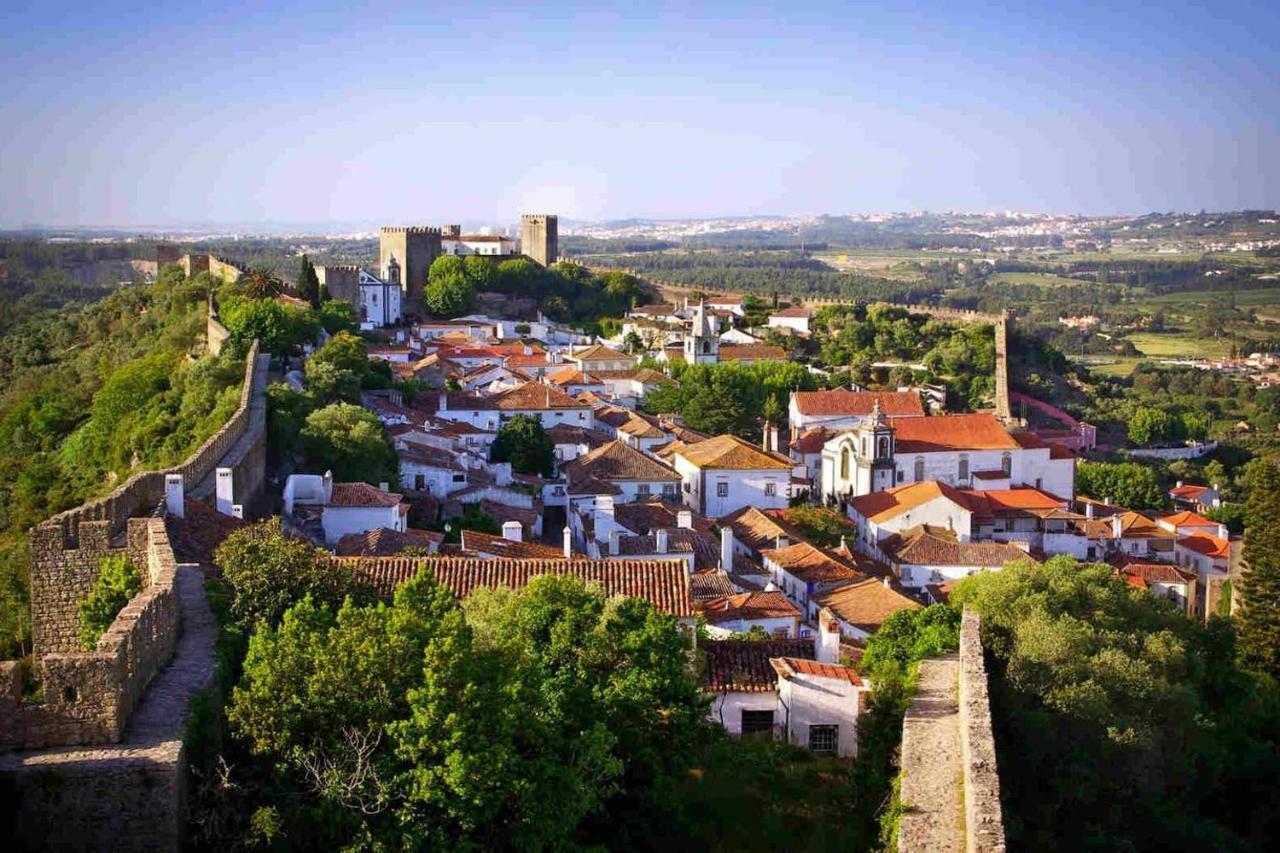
<point>261,283</point>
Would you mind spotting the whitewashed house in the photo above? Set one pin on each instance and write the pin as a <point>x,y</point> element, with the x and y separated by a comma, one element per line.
<point>341,508</point>
<point>726,473</point>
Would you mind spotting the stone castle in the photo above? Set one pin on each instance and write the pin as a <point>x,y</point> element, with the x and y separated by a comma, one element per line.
<point>540,237</point>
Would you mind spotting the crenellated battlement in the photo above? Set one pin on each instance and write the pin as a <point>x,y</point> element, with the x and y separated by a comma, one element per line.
<point>410,229</point>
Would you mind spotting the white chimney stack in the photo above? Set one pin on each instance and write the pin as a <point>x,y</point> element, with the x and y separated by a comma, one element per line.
<point>512,531</point>
<point>684,519</point>
<point>782,542</point>
<point>1117,527</point>
<point>660,540</point>
<point>726,548</point>
<point>1088,511</point>
<point>326,485</point>
<point>827,648</point>
<point>615,541</point>
<point>224,490</point>
<point>384,486</point>
<point>1223,532</point>
<point>1178,485</point>
<point>568,543</point>
<point>237,510</point>
<point>173,495</point>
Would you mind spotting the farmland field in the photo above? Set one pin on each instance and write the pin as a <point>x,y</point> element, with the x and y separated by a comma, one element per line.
<point>1042,279</point>
<point>1164,345</point>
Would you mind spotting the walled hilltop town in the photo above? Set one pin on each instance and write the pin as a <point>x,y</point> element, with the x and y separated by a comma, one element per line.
<point>715,531</point>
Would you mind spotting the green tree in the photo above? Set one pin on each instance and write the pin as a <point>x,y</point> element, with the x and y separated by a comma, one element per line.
<point>270,571</point>
<point>278,328</point>
<point>1127,484</point>
<point>349,441</point>
<point>1091,682</point>
<point>287,412</point>
<point>1260,581</point>
<point>260,283</point>
<point>118,582</point>
<point>1150,426</point>
<point>308,282</point>
<point>525,444</point>
<point>337,315</point>
<point>338,369</point>
<point>449,290</point>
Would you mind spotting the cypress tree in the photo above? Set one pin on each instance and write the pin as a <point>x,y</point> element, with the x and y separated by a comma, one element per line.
<point>308,282</point>
<point>1260,583</point>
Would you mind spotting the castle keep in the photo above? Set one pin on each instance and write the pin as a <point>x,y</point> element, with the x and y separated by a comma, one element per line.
<point>540,237</point>
<point>413,248</point>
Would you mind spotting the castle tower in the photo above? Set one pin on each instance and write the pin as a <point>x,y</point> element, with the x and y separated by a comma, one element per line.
<point>414,248</point>
<point>451,232</point>
<point>702,344</point>
<point>540,237</point>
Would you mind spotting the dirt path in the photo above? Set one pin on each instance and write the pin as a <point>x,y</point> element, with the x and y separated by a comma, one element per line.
<point>931,762</point>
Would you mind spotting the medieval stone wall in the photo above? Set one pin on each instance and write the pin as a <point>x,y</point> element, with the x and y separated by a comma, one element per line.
<point>984,818</point>
<point>89,695</point>
<point>414,248</point>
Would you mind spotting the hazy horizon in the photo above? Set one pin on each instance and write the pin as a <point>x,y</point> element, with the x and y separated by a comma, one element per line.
<point>184,114</point>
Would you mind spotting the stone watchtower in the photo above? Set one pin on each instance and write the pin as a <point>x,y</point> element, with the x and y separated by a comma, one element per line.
<point>540,237</point>
<point>414,248</point>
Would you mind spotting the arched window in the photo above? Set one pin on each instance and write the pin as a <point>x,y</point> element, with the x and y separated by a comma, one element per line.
<point>964,467</point>
<point>864,447</point>
<point>919,469</point>
<point>884,449</point>
<point>844,462</point>
<point>1006,464</point>
<point>706,347</point>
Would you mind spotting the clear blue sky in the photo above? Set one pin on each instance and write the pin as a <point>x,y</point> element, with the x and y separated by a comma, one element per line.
<point>244,112</point>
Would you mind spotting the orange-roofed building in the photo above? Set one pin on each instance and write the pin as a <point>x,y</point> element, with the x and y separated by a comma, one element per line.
<point>841,409</point>
<point>964,451</point>
<point>726,473</point>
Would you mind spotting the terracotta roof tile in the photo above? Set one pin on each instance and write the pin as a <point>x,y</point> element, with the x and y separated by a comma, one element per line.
<point>890,503</point>
<point>923,545</point>
<point>645,516</point>
<point>978,431</point>
<point>1187,519</point>
<point>496,546</point>
<point>753,528</point>
<point>749,606</point>
<point>731,452</point>
<point>786,668</point>
<point>617,460</point>
<point>1188,492</point>
<point>712,583</point>
<point>663,583</point>
<point>385,542</point>
<point>751,352</point>
<point>361,495</point>
<point>866,604</point>
<point>536,396</point>
<point>810,564</point>
<point>742,666</point>
<point>1203,543</point>
<point>858,403</point>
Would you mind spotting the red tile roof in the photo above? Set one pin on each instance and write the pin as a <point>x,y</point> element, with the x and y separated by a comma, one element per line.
<point>1203,543</point>
<point>615,461</point>
<point>742,666</point>
<point>979,431</point>
<point>795,311</point>
<point>787,668</point>
<point>1152,571</point>
<point>810,564</point>
<point>890,503</point>
<point>645,516</point>
<point>751,352</point>
<point>749,606</point>
<point>385,542</point>
<point>361,495</point>
<point>728,452</point>
<point>497,546</point>
<point>709,584</point>
<point>842,402</point>
<point>663,583</point>
<point>866,604</point>
<point>928,546</point>
<point>536,396</point>
<point>1188,492</point>
<point>1187,519</point>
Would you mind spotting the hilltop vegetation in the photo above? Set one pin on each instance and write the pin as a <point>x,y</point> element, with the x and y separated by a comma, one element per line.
<point>91,394</point>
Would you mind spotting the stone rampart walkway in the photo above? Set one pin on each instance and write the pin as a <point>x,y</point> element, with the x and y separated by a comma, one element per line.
<point>932,764</point>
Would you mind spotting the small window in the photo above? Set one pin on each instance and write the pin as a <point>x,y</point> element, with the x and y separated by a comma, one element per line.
<point>964,468</point>
<point>755,723</point>
<point>919,469</point>
<point>419,481</point>
<point>770,489</point>
<point>1006,464</point>
<point>643,490</point>
<point>668,488</point>
<point>824,739</point>
<point>459,478</point>
<point>722,490</point>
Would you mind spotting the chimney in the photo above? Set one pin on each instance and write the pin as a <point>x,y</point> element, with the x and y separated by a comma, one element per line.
<point>568,543</point>
<point>888,584</point>
<point>512,531</point>
<point>726,548</point>
<point>827,648</point>
<point>615,541</point>
<point>764,436</point>
<point>1178,485</point>
<point>660,540</point>
<point>684,519</point>
<point>1223,533</point>
<point>527,350</point>
<point>384,486</point>
<point>237,510</point>
<point>326,486</point>
<point>782,542</point>
<point>173,495</point>
<point>224,488</point>
<point>1088,511</point>
<point>1117,528</point>
<point>604,517</point>
<point>844,544</point>
<point>444,401</point>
